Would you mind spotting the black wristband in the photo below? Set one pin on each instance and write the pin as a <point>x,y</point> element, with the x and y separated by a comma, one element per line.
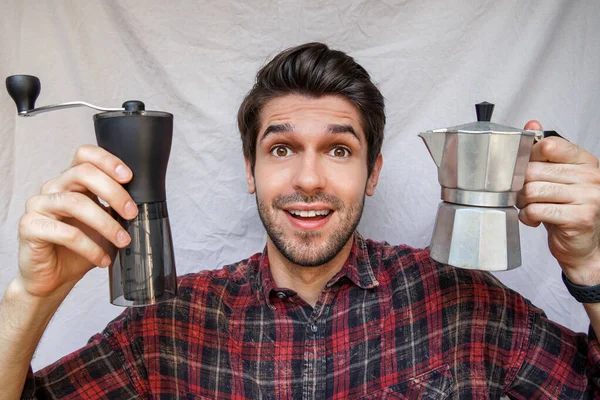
<point>583,294</point>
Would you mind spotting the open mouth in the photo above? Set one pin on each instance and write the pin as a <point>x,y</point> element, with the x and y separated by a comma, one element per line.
<point>309,220</point>
<point>312,215</point>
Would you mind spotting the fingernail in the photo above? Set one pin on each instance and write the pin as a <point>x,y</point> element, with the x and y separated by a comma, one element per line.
<point>122,172</point>
<point>122,237</point>
<point>105,261</point>
<point>131,209</point>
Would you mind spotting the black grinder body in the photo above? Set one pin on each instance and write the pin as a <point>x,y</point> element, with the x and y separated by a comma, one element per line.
<point>143,273</point>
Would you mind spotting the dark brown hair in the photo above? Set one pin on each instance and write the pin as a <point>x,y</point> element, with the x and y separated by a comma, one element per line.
<point>314,70</point>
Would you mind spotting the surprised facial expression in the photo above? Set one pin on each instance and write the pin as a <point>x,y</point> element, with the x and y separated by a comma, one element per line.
<point>310,175</point>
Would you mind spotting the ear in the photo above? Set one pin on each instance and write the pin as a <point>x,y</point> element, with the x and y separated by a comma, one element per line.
<point>249,177</point>
<point>374,177</point>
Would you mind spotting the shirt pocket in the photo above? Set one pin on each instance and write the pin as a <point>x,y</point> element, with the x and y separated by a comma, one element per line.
<point>435,384</point>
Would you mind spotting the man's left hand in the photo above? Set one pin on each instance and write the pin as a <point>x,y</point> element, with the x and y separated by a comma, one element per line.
<point>562,191</point>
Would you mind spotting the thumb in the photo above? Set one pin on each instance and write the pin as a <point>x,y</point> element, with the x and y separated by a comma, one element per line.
<point>533,125</point>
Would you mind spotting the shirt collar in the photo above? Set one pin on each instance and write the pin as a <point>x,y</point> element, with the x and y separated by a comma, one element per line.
<point>357,269</point>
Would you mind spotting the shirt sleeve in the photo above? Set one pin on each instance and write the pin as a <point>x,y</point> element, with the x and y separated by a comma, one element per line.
<point>556,363</point>
<point>107,367</point>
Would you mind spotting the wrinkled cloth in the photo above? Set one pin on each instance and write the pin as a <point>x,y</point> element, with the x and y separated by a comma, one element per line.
<point>392,323</point>
<point>432,60</point>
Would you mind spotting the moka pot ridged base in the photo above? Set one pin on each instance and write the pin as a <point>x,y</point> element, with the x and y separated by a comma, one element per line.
<point>481,238</point>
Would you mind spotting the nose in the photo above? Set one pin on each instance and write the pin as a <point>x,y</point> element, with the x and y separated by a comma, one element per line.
<point>309,176</point>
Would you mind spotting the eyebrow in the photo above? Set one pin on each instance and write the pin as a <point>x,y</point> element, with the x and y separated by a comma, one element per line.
<point>281,128</point>
<point>287,128</point>
<point>336,128</point>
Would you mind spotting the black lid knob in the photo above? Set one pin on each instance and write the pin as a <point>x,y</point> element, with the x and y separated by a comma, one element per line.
<point>484,111</point>
<point>133,106</point>
<point>24,90</point>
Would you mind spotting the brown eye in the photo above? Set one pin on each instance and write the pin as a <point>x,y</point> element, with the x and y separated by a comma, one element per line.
<point>281,151</point>
<point>340,152</point>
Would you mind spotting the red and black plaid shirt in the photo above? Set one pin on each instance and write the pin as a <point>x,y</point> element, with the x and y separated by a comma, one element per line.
<point>392,323</point>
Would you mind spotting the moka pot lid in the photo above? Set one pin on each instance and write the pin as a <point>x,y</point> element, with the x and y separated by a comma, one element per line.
<point>483,125</point>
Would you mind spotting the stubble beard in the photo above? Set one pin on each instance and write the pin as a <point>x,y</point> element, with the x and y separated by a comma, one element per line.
<point>301,249</point>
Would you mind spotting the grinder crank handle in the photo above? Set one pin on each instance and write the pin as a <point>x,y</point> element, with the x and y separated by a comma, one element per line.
<point>25,89</point>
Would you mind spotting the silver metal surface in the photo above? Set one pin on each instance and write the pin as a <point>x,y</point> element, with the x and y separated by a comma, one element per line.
<point>538,135</point>
<point>480,199</point>
<point>434,145</point>
<point>476,237</point>
<point>485,127</point>
<point>72,104</point>
<point>481,167</point>
<point>487,162</point>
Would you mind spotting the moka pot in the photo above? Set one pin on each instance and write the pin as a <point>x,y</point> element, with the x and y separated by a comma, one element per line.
<point>481,167</point>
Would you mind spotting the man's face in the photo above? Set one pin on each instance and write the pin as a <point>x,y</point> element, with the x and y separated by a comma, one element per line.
<point>310,175</point>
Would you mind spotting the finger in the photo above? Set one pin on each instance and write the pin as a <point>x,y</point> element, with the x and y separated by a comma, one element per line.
<point>105,161</point>
<point>533,125</point>
<point>90,178</point>
<point>567,216</point>
<point>37,228</point>
<point>51,187</point>
<point>82,208</point>
<point>557,193</point>
<point>562,173</point>
<point>559,150</point>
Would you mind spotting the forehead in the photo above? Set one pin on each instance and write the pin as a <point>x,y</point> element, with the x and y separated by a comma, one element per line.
<point>304,111</point>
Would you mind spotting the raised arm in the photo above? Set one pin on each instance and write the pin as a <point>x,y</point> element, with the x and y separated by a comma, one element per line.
<point>64,233</point>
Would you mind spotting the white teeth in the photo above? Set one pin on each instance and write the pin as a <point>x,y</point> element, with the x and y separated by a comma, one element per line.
<point>311,213</point>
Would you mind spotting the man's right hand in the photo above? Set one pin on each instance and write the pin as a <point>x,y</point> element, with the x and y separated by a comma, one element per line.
<point>65,231</point>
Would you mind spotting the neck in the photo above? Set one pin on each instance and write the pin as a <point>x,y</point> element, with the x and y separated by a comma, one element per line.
<point>308,282</point>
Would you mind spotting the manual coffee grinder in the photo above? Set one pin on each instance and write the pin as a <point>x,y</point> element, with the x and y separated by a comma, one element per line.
<point>143,273</point>
<point>481,167</point>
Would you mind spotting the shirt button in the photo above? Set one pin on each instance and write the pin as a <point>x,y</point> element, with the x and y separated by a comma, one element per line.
<point>314,328</point>
<point>281,295</point>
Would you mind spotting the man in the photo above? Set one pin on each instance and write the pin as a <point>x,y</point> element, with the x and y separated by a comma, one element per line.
<point>321,312</point>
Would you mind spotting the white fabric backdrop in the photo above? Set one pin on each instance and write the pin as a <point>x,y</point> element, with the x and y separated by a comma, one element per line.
<point>432,60</point>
